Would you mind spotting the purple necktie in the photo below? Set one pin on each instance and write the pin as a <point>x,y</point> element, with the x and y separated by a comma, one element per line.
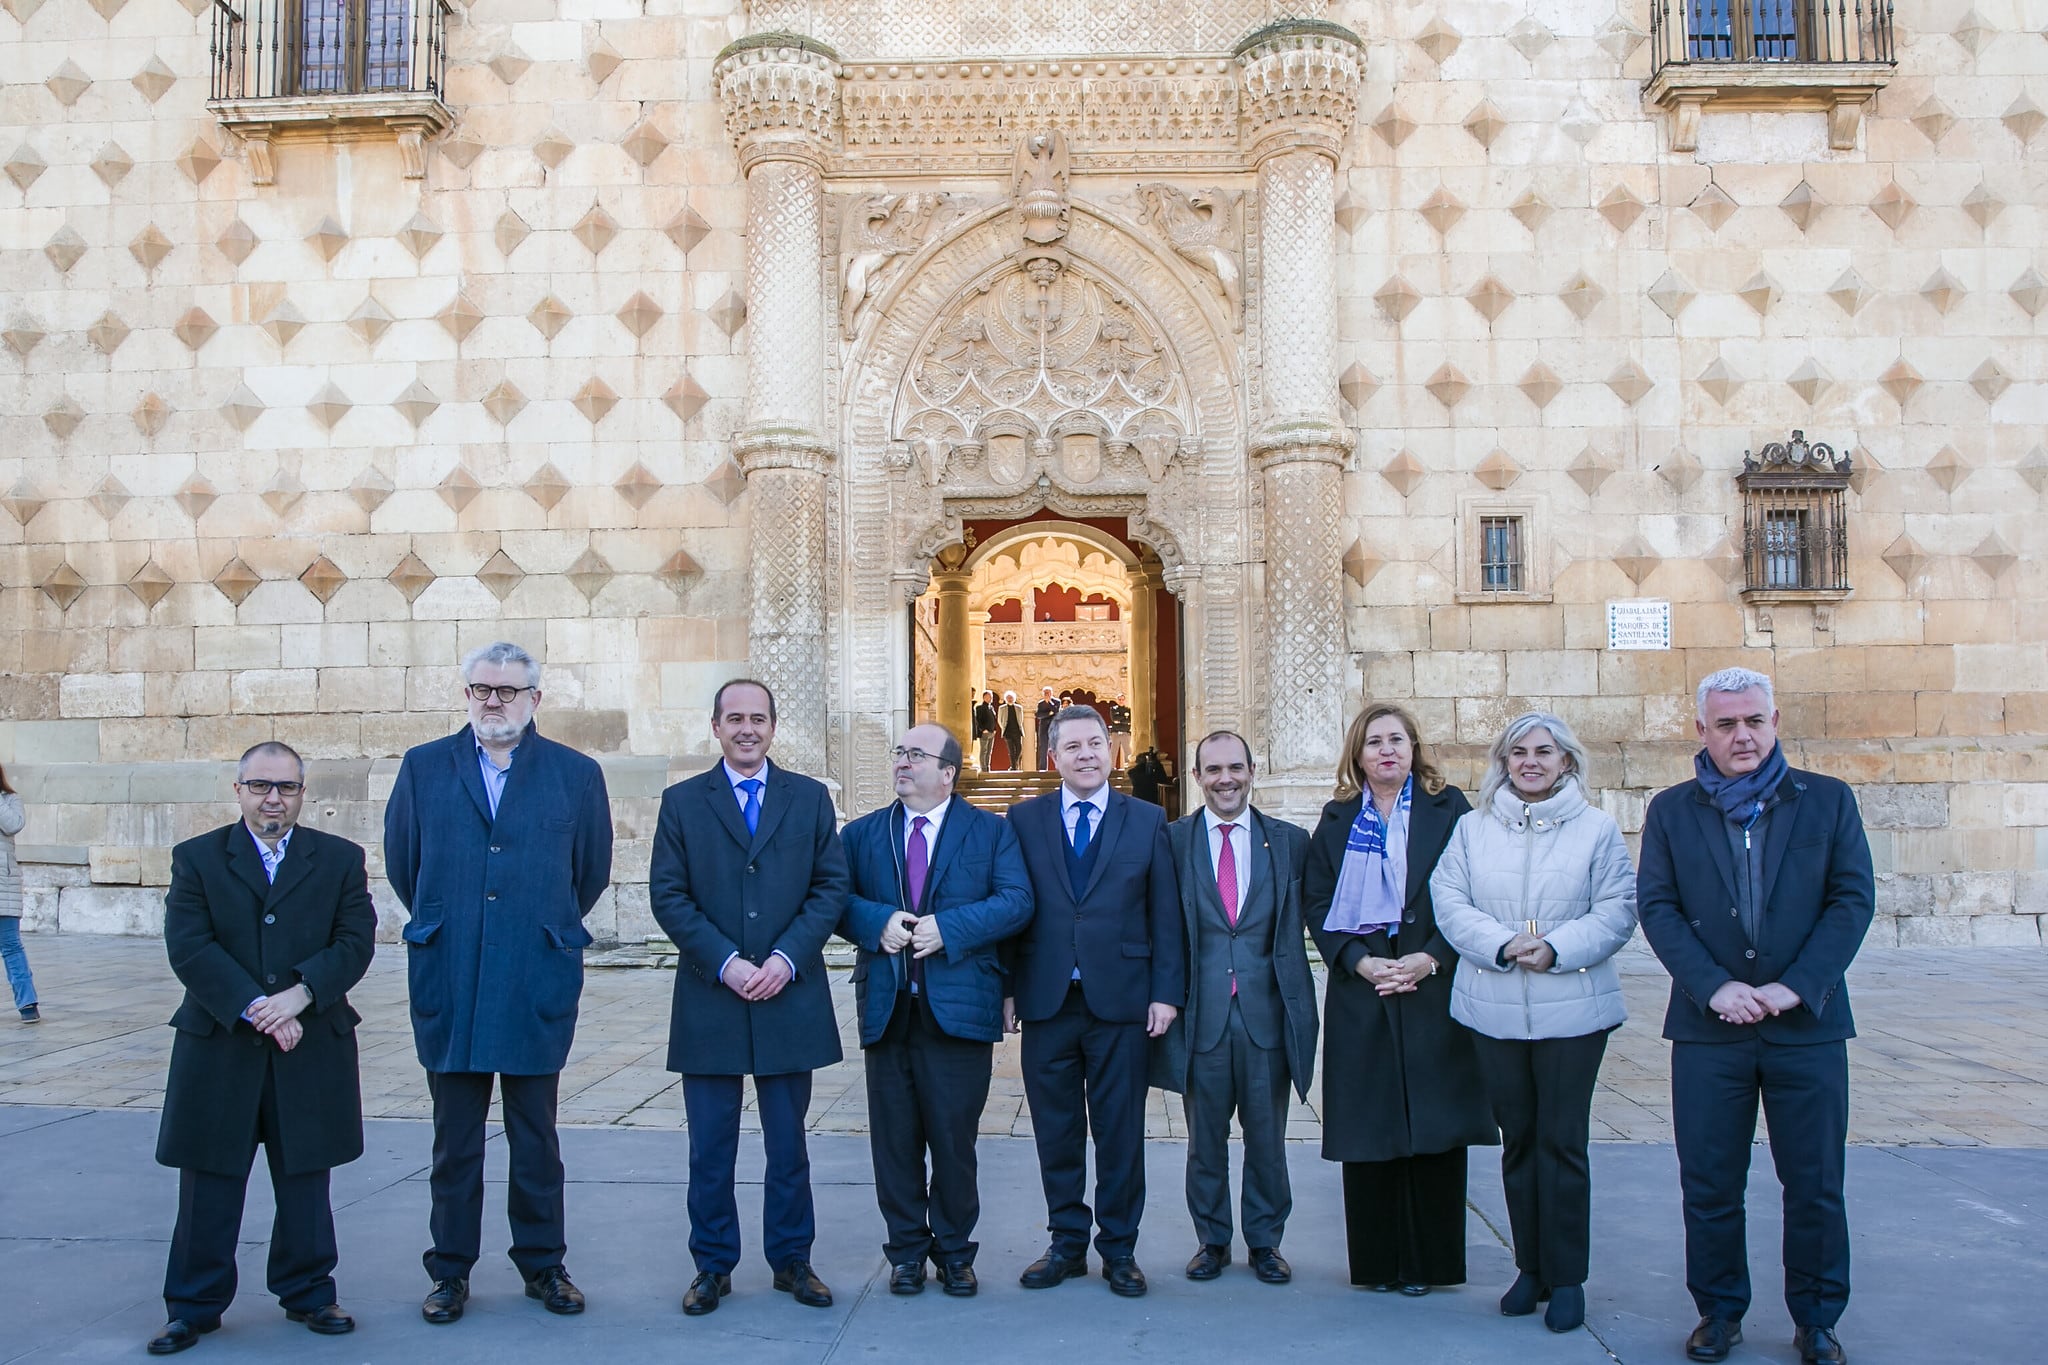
<point>917,864</point>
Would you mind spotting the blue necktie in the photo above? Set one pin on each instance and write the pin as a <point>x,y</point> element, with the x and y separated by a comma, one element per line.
<point>752,787</point>
<point>1081,829</point>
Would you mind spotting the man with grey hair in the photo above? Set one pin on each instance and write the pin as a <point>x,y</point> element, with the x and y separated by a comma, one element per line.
<point>498,842</point>
<point>1756,890</point>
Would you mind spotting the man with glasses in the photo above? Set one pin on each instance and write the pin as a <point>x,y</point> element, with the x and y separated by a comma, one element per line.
<point>937,886</point>
<point>498,842</point>
<point>748,880</point>
<point>268,926</point>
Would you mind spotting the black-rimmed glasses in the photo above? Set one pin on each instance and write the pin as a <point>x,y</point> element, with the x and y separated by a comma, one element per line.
<point>258,786</point>
<point>505,695</point>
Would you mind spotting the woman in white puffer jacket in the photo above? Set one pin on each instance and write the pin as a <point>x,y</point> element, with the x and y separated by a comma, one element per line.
<point>1537,894</point>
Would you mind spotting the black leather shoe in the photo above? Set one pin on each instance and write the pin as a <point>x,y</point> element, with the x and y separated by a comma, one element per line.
<point>1522,1297</point>
<point>329,1320</point>
<point>1817,1346</point>
<point>1208,1261</point>
<point>796,1280</point>
<point>1412,1289</point>
<point>556,1294</point>
<point>1567,1311</point>
<point>178,1335</point>
<point>1049,1269</point>
<point>1125,1279</point>
<point>907,1277</point>
<point>957,1279</point>
<point>445,1303</point>
<point>704,1293</point>
<point>1713,1339</point>
<point>1269,1266</point>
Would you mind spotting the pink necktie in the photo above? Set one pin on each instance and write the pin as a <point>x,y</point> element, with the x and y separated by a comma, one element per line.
<point>1226,883</point>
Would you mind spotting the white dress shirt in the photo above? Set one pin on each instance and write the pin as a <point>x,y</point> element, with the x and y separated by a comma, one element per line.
<point>932,818</point>
<point>1240,847</point>
<point>1070,807</point>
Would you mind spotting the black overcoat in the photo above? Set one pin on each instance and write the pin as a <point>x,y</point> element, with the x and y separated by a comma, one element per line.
<point>1400,1077</point>
<point>233,936</point>
<point>715,891</point>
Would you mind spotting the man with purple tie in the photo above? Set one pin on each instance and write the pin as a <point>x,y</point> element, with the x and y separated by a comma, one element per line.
<point>936,887</point>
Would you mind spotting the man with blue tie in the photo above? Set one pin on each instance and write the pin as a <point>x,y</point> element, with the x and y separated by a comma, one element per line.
<point>498,842</point>
<point>748,879</point>
<point>1101,968</point>
<point>937,888</point>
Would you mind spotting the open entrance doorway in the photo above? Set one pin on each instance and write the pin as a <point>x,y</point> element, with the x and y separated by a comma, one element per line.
<point>1071,604</point>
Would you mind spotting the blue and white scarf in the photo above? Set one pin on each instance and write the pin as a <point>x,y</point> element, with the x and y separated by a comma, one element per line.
<point>1372,886</point>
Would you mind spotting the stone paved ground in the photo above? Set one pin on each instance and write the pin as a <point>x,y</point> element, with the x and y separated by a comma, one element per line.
<point>1953,1052</point>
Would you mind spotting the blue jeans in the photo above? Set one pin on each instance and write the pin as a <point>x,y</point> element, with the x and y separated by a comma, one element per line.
<point>17,963</point>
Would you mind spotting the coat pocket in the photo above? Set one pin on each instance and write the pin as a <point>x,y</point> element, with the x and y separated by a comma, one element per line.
<point>420,933</point>
<point>191,1018</point>
<point>573,938</point>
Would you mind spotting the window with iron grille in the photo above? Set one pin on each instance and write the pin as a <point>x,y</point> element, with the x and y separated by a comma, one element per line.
<point>1795,529</point>
<point>1500,554</point>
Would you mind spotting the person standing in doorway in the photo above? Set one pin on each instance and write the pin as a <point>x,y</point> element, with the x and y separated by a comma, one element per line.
<point>498,841</point>
<point>1011,717</point>
<point>1048,707</point>
<point>1120,732</point>
<point>985,730</point>
<point>748,879</point>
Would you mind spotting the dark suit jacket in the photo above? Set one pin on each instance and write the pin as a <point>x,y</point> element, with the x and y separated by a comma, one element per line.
<point>979,892</point>
<point>1818,897</point>
<point>984,719</point>
<point>716,891</point>
<point>233,936</point>
<point>494,949</point>
<point>1286,847</point>
<point>1400,1077</point>
<point>1124,934</point>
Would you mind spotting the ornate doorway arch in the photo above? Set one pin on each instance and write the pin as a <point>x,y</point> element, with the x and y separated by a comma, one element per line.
<point>1093,375</point>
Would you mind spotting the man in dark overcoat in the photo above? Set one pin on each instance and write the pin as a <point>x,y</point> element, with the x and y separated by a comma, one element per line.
<point>1756,890</point>
<point>1101,968</point>
<point>748,879</point>
<point>937,887</point>
<point>498,842</point>
<point>1248,1034</point>
<point>267,925</point>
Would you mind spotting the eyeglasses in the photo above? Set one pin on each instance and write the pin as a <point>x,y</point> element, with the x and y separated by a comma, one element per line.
<point>260,787</point>
<point>901,754</point>
<point>506,695</point>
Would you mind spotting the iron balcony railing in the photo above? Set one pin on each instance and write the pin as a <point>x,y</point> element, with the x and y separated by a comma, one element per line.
<point>292,49</point>
<point>1762,31</point>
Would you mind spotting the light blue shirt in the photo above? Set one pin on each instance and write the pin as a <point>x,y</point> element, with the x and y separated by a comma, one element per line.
<point>736,778</point>
<point>494,776</point>
<point>273,856</point>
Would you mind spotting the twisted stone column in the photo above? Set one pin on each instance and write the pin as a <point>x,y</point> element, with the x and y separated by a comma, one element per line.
<point>1300,97</point>
<point>778,91</point>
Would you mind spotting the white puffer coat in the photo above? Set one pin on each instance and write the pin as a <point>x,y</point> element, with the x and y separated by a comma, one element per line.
<point>12,818</point>
<point>1562,864</point>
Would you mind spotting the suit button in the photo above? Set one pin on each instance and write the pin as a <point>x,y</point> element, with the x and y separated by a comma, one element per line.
<point>496,849</point>
<point>753,914</point>
<point>1750,953</point>
<point>750,867</point>
<point>272,981</point>
<point>1733,911</point>
<point>270,919</point>
<point>490,895</point>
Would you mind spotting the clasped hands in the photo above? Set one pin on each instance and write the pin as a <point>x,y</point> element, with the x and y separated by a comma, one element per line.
<point>1530,952</point>
<point>1738,1002</point>
<point>920,934</point>
<point>755,984</point>
<point>278,1015</point>
<point>1396,975</point>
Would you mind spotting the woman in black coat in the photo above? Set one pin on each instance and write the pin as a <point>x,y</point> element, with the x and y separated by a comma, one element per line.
<point>1402,1099</point>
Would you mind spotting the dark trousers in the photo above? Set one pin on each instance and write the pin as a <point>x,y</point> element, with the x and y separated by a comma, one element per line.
<point>199,1278</point>
<point>1542,1095</point>
<point>1237,1076</point>
<point>1081,1075</point>
<point>1805,1092</point>
<point>788,1221</point>
<point>926,1091</point>
<point>533,1193</point>
<point>1404,1220</point>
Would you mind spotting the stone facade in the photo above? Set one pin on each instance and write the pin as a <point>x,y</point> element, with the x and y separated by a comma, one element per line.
<point>692,343</point>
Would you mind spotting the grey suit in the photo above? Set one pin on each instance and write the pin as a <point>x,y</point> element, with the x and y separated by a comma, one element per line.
<point>1237,1051</point>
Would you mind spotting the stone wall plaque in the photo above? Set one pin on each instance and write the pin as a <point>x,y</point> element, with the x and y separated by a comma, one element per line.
<point>1639,623</point>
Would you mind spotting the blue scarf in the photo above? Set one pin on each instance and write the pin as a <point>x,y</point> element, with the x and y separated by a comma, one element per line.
<point>1741,799</point>
<point>1372,884</point>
